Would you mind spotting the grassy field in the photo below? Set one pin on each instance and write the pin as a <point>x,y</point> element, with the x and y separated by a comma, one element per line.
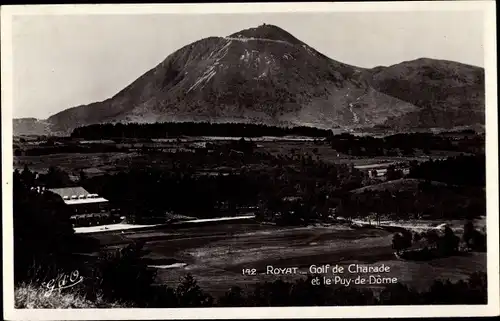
<point>395,185</point>
<point>97,163</point>
<point>101,163</point>
<point>215,255</point>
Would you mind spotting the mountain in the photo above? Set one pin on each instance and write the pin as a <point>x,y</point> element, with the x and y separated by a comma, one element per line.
<point>31,126</point>
<point>266,75</point>
<point>448,94</point>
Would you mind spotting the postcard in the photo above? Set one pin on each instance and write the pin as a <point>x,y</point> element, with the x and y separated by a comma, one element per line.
<point>283,160</point>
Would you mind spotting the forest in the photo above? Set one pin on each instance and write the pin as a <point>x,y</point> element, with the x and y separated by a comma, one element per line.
<point>294,189</point>
<point>166,130</point>
<point>407,144</point>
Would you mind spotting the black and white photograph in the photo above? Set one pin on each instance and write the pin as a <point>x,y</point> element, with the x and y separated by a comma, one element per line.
<point>286,159</point>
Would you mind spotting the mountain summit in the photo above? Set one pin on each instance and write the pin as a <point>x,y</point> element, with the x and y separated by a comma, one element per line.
<point>269,32</point>
<point>266,75</point>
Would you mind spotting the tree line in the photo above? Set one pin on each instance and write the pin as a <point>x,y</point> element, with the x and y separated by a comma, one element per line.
<point>458,170</point>
<point>289,190</point>
<point>436,243</point>
<point>174,129</point>
<point>405,144</point>
<point>445,189</point>
<point>420,199</point>
<point>152,192</point>
<point>145,191</point>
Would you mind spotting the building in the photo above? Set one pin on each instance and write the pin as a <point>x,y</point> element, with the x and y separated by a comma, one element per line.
<point>86,208</point>
<point>80,201</point>
<point>380,170</point>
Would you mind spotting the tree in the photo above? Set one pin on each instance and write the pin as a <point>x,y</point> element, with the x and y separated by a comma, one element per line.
<point>82,177</point>
<point>432,237</point>
<point>408,150</point>
<point>43,234</point>
<point>275,293</point>
<point>468,233</point>
<point>397,294</point>
<point>417,237</point>
<point>449,242</point>
<point>56,177</point>
<point>189,294</point>
<point>27,176</point>
<point>124,275</point>
<point>235,297</point>
<point>478,242</point>
<point>401,241</point>
<point>393,173</point>
<point>17,175</point>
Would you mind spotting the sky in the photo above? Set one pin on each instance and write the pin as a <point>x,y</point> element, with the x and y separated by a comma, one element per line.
<point>62,61</point>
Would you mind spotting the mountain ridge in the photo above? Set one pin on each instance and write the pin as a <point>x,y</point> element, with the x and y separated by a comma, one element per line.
<point>268,76</point>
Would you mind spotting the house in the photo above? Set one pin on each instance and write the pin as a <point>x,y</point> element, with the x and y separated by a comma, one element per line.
<point>380,170</point>
<point>86,208</point>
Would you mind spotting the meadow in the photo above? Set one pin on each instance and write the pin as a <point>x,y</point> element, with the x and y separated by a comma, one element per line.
<point>130,155</point>
<point>216,255</point>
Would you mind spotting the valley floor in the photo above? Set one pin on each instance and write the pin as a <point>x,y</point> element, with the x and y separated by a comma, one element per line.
<point>216,255</point>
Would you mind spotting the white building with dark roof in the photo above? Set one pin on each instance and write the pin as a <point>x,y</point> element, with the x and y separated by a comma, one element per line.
<point>82,203</point>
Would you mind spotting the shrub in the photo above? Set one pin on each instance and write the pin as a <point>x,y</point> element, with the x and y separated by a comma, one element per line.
<point>123,275</point>
<point>304,293</point>
<point>344,296</point>
<point>162,296</point>
<point>189,294</point>
<point>474,239</point>
<point>448,244</point>
<point>275,293</point>
<point>401,241</point>
<point>399,294</point>
<point>468,232</point>
<point>478,242</point>
<point>235,297</point>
